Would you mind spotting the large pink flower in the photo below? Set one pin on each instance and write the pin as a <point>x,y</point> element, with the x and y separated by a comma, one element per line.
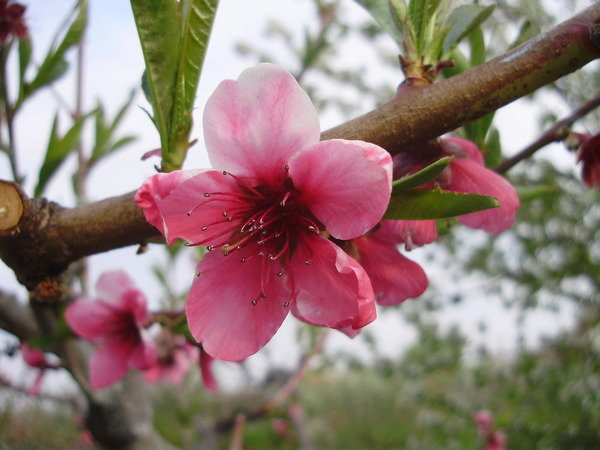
<point>395,278</point>
<point>275,190</point>
<point>115,321</point>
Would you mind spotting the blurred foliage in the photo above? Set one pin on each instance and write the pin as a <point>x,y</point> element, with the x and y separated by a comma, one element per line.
<point>422,399</point>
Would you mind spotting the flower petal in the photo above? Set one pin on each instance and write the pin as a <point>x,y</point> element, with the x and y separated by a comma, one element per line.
<point>191,215</point>
<point>143,356</point>
<point>89,319</point>
<point>206,372</point>
<point>220,308</point>
<point>412,233</point>
<point>346,184</point>
<point>154,190</point>
<point>394,277</point>
<point>464,148</point>
<point>113,285</point>
<point>469,176</point>
<point>253,126</point>
<point>333,289</point>
<point>109,364</point>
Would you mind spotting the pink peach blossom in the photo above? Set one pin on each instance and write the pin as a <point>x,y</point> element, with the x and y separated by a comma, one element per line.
<point>174,358</point>
<point>115,322</point>
<point>274,191</point>
<point>589,157</point>
<point>394,277</point>
<point>36,358</point>
<point>468,174</point>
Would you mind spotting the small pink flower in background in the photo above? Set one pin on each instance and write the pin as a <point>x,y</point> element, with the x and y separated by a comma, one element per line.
<point>275,190</point>
<point>115,322</point>
<point>36,358</point>
<point>394,277</point>
<point>11,20</point>
<point>494,439</point>
<point>484,420</point>
<point>174,358</point>
<point>206,371</point>
<point>589,157</point>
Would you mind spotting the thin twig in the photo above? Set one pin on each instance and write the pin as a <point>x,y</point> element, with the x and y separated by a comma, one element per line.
<point>237,439</point>
<point>282,395</point>
<point>555,133</point>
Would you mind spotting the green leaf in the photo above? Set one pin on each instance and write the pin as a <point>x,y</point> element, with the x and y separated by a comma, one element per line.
<point>58,150</point>
<point>104,141</point>
<point>421,177</point>
<point>421,16</point>
<point>528,193</point>
<point>197,18</point>
<point>426,204</point>
<point>159,28</point>
<point>174,36</point>
<point>25,51</point>
<point>54,64</point>
<point>380,11</point>
<point>463,20</point>
<point>492,148</point>
<point>477,43</point>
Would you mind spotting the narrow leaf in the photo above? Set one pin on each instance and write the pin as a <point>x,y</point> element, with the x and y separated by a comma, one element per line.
<point>380,11</point>
<point>492,148</point>
<point>463,20</point>
<point>57,151</point>
<point>425,204</point>
<point>54,64</point>
<point>421,177</point>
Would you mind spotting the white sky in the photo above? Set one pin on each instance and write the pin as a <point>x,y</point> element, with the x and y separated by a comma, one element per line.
<point>114,65</point>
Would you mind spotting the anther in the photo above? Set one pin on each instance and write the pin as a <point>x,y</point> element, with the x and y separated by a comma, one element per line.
<point>189,213</point>
<point>204,228</point>
<point>225,253</point>
<point>225,213</point>
<point>263,295</point>
<point>286,304</point>
<point>308,261</point>
<point>279,274</point>
<point>224,172</point>
<point>254,302</point>
<point>209,248</point>
<point>207,194</point>
<point>242,259</point>
<point>286,167</point>
<point>198,273</point>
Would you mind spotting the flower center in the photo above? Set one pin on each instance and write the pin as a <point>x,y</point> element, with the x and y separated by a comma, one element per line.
<point>269,217</point>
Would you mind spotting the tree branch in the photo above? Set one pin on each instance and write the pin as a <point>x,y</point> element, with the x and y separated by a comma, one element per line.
<point>555,133</point>
<point>16,317</point>
<point>46,246</point>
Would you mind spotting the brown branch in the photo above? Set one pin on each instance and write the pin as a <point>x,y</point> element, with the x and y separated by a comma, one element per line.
<point>16,317</point>
<point>555,133</point>
<point>53,237</point>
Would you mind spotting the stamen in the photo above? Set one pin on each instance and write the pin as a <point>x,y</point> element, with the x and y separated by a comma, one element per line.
<point>198,273</point>
<point>286,304</point>
<point>308,261</point>
<point>254,302</point>
<point>285,198</point>
<point>279,274</point>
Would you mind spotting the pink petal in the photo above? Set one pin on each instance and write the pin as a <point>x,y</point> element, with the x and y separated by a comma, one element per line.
<point>113,285</point>
<point>469,176</point>
<point>394,277</point>
<point>206,211</point>
<point>220,310</point>
<point>412,233</point>
<point>464,148</point>
<point>109,364</point>
<point>333,289</point>
<point>346,184</point>
<point>253,126</point>
<point>33,357</point>
<point>36,386</point>
<point>134,302</point>
<point>143,356</point>
<point>206,372</point>
<point>89,319</point>
<point>154,190</point>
